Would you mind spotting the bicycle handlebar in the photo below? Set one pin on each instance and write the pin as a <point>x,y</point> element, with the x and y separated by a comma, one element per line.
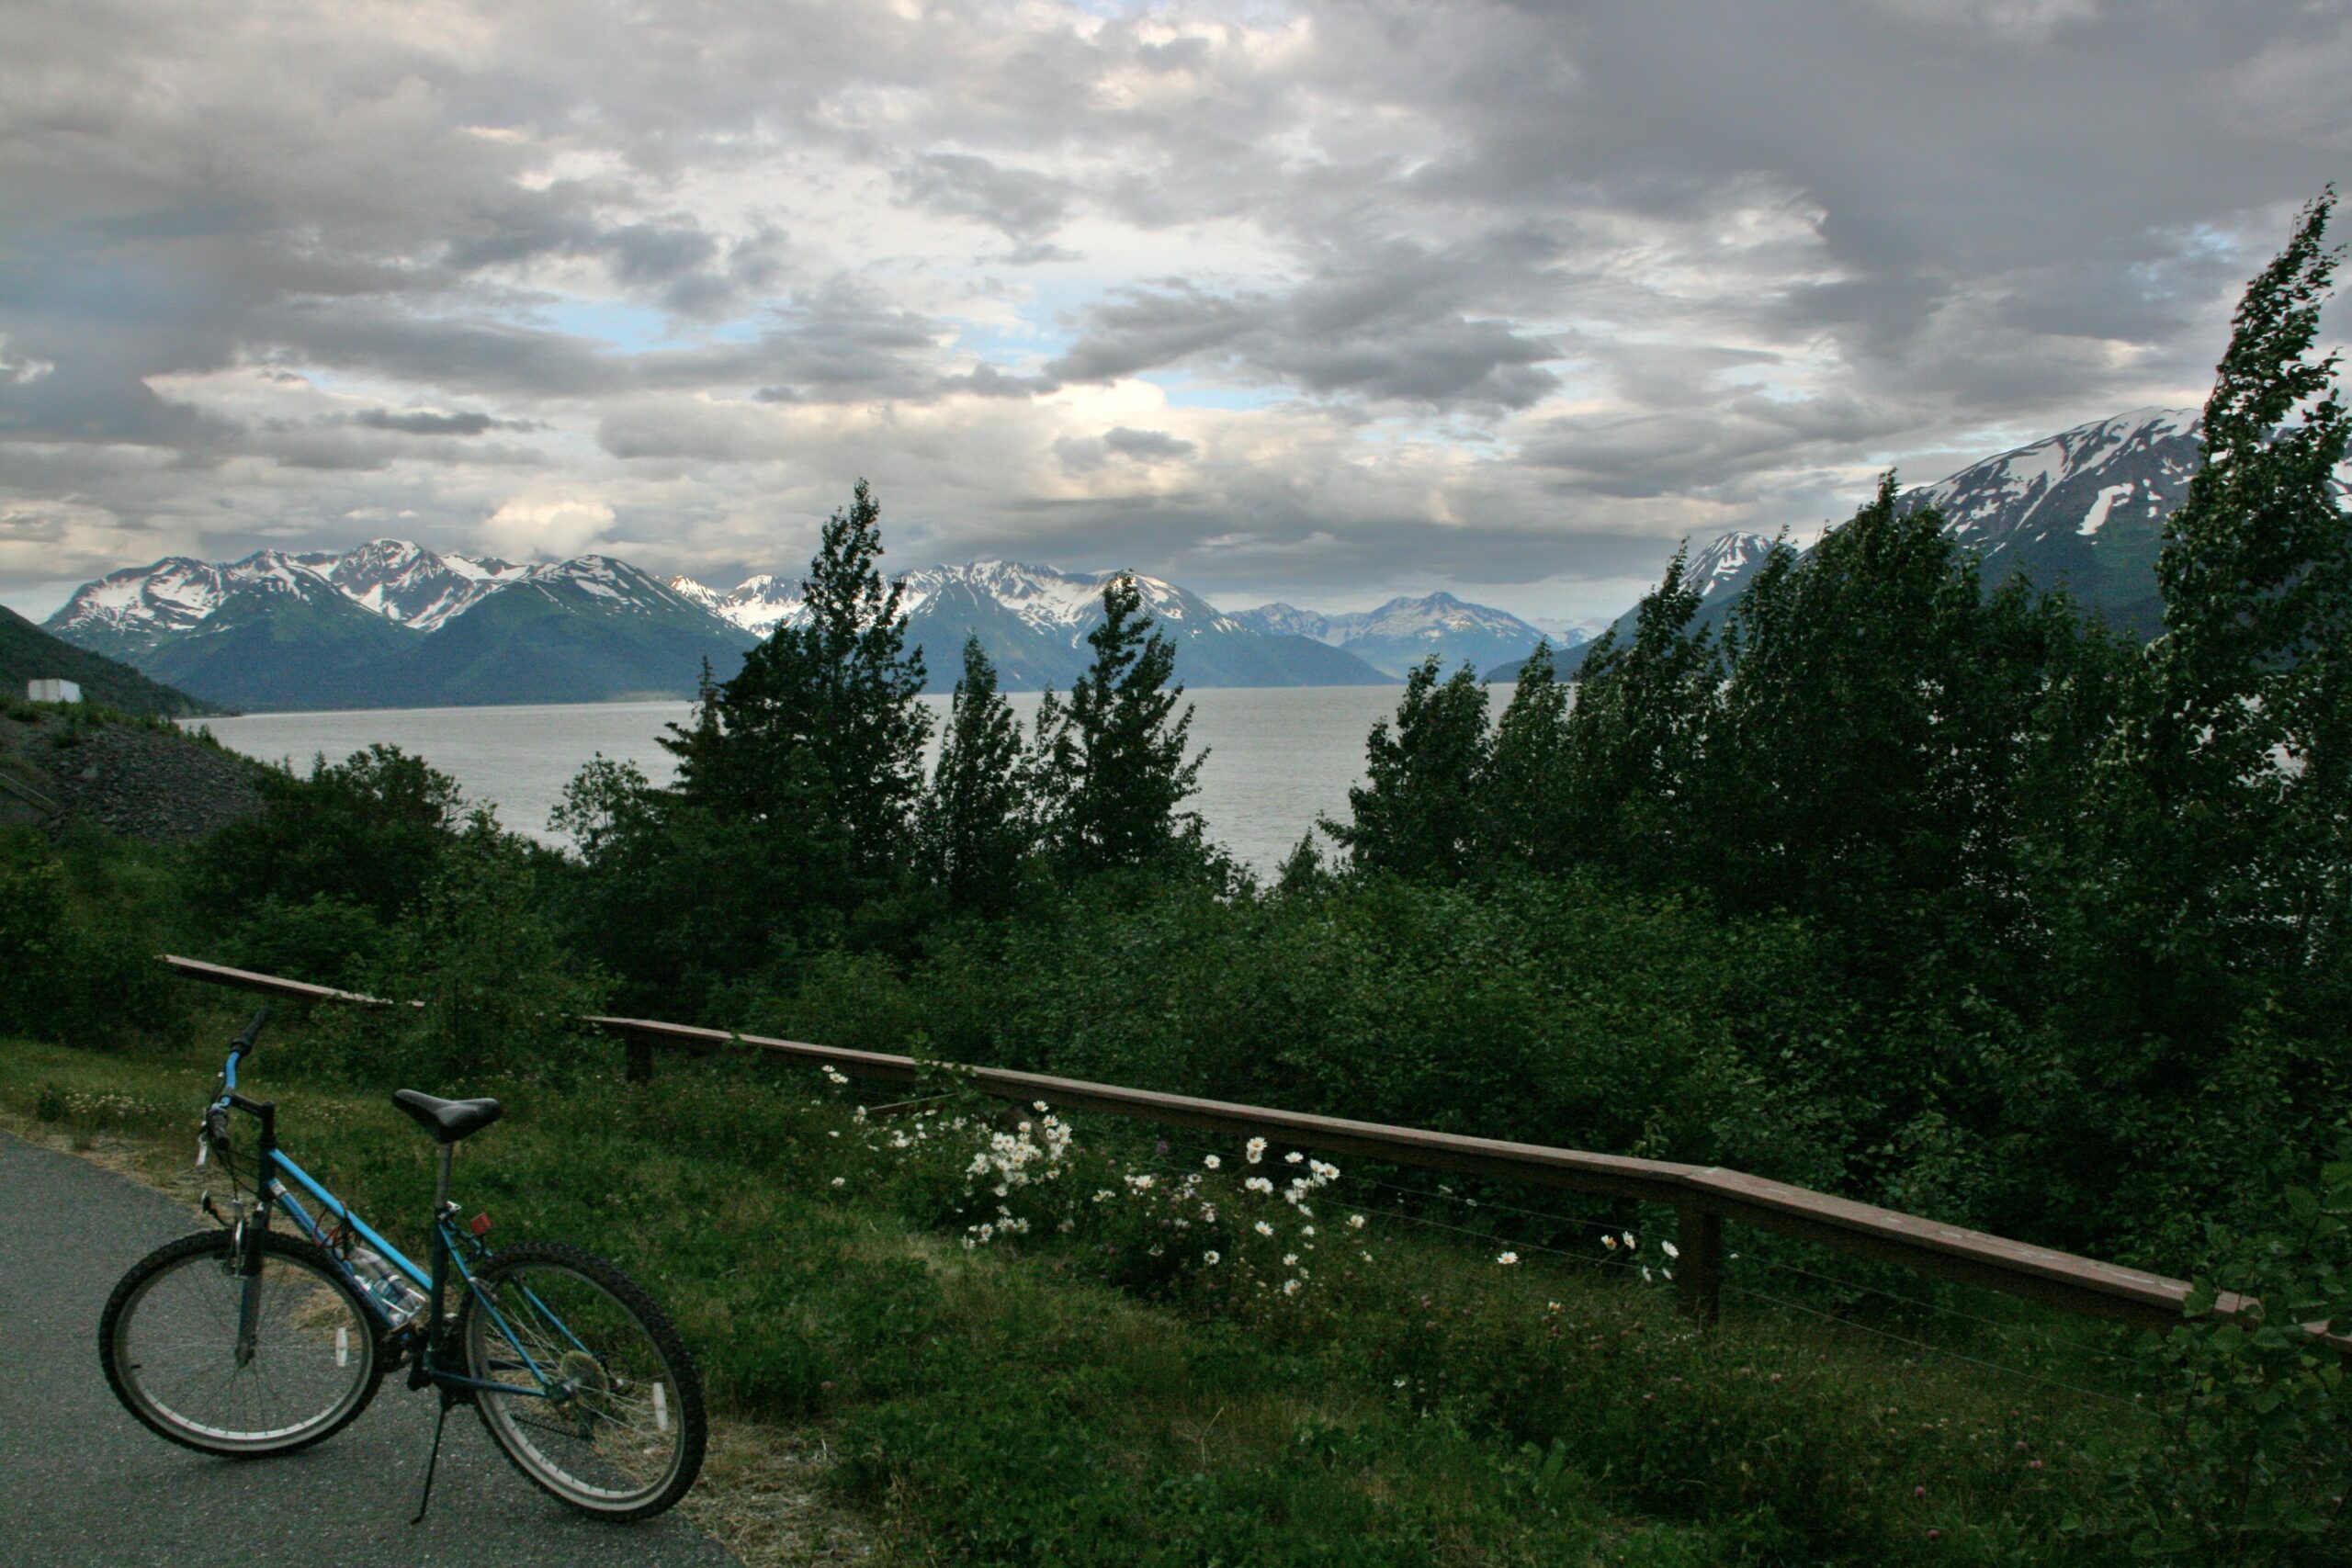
<point>243,1046</point>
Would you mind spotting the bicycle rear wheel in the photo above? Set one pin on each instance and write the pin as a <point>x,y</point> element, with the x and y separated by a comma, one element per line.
<point>168,1339</point>
<point>608,1410</point>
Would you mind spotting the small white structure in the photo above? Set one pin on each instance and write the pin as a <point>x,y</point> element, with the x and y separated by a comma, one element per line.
<point>52,692</point>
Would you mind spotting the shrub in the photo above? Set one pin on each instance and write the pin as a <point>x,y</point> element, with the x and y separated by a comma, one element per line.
<point>499,998</point>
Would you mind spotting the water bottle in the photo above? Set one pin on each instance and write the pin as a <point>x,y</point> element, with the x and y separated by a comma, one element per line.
<point>390,1288</point>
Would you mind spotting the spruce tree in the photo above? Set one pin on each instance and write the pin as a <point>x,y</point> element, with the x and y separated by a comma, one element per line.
<point>1417,812</point>
<point>974,829</point>
<point>1119,755</point>
<point>819,735</point>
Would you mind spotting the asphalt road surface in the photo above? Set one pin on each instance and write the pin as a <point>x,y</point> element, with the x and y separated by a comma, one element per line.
<point>81,1483</point>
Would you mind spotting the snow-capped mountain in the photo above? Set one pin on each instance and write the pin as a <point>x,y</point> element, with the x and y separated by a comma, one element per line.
<point>2084,508</point>
<point>1402,632</point>
<point>758,605</point>
<point>412,585</point>
<point>1034,621</point>
<point>1724,568</point>
<point>590,629</point>
<point>2134,467</point>
<point>391,624</point>
<point>141,607</point>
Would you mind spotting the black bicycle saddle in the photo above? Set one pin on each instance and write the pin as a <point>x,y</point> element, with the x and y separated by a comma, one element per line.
<point>448,1119</point>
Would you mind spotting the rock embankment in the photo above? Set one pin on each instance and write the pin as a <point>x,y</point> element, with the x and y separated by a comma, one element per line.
<point>146,780</point>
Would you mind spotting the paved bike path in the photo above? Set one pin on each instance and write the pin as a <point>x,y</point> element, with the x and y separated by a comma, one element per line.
<point>81,1483</point>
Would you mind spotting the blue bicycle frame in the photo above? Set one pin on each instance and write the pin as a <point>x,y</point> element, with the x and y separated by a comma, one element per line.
<point>451,1248</point>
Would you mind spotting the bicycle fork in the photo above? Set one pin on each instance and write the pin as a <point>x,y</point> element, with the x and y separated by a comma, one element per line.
<point>247,1246</point>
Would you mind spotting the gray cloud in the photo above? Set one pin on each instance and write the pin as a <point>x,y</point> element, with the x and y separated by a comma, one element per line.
<point>1306,298</point>
<point>1021,204</point>
<point>1391,327</point>
<point>425,421</point>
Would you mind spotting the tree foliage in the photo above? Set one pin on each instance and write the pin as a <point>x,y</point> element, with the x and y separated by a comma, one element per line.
<point>1419,809</point>
<point>1115,773</point>
<point>975,826</point>
<point>819,737</point>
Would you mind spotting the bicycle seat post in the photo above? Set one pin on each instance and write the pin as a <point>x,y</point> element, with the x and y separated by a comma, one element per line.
<point>441,1181</point>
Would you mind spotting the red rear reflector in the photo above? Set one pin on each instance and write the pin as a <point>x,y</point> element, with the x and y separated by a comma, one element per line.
<point>480,1226</point>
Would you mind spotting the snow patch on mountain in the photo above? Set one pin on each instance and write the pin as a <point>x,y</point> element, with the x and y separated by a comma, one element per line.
<point>1067,605</point>
<point>2133,465</point>
<point>1729,562</point>
<point>403,582</point>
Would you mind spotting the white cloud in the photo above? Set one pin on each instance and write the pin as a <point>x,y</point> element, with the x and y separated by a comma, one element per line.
<point>546,526</point>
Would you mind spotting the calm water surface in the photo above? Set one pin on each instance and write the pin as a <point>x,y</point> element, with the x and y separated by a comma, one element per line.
<point>1278,756</point>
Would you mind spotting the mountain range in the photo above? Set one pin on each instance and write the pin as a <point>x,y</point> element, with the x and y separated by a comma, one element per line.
<point>2084,509</point>
<point>391,624</point>
<point>1034,621</point>
<point>1402,632</point>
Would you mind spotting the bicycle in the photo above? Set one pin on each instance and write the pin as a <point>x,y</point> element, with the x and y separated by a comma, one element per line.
<point>249,1342</point>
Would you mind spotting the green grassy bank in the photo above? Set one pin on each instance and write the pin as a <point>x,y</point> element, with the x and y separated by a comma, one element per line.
<point>1097,1391</point>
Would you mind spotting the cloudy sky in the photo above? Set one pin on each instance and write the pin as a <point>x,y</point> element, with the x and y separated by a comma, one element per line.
<point>1320,302</point>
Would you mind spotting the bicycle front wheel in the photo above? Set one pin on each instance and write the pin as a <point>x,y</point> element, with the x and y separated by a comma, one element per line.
<point>238,1362</point>
<point>607,1408</point>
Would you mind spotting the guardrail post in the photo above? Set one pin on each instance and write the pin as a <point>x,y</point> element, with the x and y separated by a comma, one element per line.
<point>1698,1272</point>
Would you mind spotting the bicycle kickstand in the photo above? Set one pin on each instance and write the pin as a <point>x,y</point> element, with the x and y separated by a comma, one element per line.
<point>433,1458</point>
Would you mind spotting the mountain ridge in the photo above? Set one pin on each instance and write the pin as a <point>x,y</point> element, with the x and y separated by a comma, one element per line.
<point>2083,509</point>
<point>392,623</point>
<point>1034,621</point>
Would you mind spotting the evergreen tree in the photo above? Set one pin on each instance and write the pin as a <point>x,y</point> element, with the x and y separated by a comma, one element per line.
<point>1521,810</point>
<point>974,828</point>
<point>1417,812</point>
<point>819,735</point>
<point>1117,759</point>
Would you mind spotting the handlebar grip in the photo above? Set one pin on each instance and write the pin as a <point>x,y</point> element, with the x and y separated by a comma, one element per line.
<point>242,1045</point>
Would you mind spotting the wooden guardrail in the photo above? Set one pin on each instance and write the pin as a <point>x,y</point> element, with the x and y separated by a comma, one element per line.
<point>1703,1197</point>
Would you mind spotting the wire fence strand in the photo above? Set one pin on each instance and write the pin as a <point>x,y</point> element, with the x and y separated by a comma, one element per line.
<point>1926,1348</point>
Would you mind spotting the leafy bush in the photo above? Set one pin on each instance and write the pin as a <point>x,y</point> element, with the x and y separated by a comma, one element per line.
<point>499,998</point>
<point>368,831</point>
<point>79,932</point>
<point>2256,1404</point>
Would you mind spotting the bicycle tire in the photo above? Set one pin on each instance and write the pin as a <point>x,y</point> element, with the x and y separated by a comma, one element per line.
<point>627,1441</point>
<point>167,1342</point>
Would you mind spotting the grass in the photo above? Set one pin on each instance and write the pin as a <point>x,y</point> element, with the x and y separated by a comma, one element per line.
<point>1101,1395</point>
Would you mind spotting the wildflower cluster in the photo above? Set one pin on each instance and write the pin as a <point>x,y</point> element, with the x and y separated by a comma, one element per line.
<point>1148,1228</point>
<point>1626,1242</point>
<point>1034,1152</point>
<point>88,1110</point>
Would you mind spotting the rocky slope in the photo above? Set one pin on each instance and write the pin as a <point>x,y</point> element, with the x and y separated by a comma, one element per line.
<point>144,779</point>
